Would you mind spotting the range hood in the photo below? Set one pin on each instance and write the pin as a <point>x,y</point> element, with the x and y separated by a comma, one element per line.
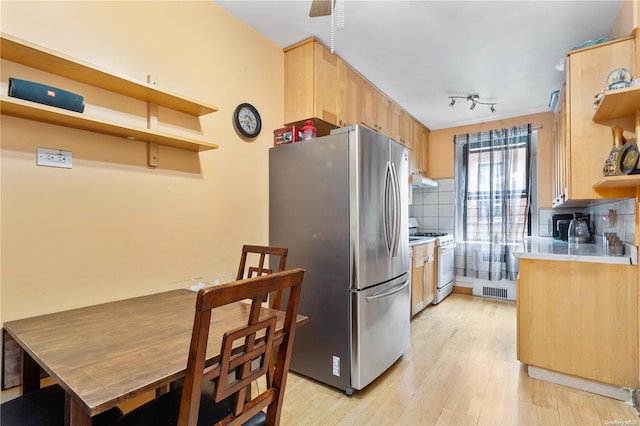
<point>419,181</point>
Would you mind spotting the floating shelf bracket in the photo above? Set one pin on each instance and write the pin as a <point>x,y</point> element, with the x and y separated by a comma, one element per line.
<point>152,124</point>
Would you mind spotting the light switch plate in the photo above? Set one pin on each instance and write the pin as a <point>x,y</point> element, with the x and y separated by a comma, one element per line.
<point>53,158</point>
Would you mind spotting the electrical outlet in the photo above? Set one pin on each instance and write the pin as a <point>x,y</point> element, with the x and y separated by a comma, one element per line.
<point>53,158</point>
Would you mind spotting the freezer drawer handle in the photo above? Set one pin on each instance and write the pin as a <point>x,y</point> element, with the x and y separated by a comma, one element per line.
<point>389,292</point>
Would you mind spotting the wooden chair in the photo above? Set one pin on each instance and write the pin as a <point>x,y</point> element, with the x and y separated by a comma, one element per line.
<point>245,271</point>
<point>45,407</point>
<point>217,393</point>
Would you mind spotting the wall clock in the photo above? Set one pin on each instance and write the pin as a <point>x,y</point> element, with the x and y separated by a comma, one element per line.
<point>247,120</point>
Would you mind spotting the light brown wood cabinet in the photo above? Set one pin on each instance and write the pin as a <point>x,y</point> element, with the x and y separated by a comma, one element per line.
<point>580,319</point>
<point>582,144</point>
<point>418,160</point>
<point>423,285</point>
<point>395,117</point>
<point>321,86</point>
<point>349,94</point>
<point>311,83</point>
<point>560,150</point>
<point>374,109</point>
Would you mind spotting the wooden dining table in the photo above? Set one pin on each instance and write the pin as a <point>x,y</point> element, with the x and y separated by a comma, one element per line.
<point>104,355</point>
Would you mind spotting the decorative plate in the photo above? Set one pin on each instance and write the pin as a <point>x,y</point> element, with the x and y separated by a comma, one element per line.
<point>628,158</point>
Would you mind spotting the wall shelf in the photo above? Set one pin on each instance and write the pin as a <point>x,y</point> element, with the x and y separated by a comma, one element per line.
<point>37,57</point>
<point>39,112</point>
<point>25,53</point>
<point>624,181</point>
<point>618,103</point>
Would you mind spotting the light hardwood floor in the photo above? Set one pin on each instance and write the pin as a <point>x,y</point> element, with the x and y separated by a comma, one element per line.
<point>461,369</point>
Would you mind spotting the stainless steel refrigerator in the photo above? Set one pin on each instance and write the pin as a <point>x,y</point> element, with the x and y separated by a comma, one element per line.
<point>339,204</point>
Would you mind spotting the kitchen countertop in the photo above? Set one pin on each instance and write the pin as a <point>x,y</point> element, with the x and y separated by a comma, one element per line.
<point>421,240</point>
<point>547,248</point>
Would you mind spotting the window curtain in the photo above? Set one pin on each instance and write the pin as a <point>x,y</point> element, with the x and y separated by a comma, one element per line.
<point>493,191</point>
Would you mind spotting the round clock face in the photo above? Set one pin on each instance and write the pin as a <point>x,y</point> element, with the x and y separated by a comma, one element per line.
<point>247,120</point>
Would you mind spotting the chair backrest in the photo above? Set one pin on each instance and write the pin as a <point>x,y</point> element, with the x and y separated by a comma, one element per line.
<point>248,269</point>
<point>247,352</point>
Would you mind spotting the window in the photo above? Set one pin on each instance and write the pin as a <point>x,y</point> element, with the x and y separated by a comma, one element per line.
<point>493,189</point>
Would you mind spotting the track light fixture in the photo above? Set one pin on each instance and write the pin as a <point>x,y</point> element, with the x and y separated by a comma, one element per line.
<point>473,100</point>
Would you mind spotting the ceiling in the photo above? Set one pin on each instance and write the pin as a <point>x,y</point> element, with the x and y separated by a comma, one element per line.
<point>421,52</point>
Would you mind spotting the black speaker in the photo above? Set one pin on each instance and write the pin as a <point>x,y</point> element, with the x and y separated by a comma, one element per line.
<point>42,94</point>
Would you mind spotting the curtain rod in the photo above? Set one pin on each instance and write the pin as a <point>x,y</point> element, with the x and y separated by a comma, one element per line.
<point>455,137</point>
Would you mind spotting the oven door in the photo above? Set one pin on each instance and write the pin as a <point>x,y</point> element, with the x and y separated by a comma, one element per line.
<point>445,265</point>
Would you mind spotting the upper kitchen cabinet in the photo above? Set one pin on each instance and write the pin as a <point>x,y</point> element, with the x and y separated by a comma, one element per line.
<point>321,86</point>
<point>419,158</point>
<point>375,109</point>
<point>311,85</point>
<point>400,129</point>
<point>583,145</point>
<point>349,94</point>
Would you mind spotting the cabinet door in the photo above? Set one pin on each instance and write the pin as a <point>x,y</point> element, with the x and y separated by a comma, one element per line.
<point>326,85</point>
<point>429,275</point>
<point>369,108</point>
<point>395,118</point>
<point>299,75</point>
<point>417,279</point>
<point>579,318</point>
<point>350,95</point>
<point>383,110</point>
<point>311,83</point>
<point>560,165</point>
<point>425,151</point>
<point>590,143</point>
<point>406,129</point>
<point>417,159</point>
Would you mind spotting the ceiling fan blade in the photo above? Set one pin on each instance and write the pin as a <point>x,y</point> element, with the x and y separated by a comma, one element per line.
<point>320,8</point>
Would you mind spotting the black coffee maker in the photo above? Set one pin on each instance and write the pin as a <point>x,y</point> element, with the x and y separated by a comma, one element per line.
<point>559,226</point>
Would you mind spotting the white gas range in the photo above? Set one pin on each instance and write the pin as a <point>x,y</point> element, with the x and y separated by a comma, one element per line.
<point>445,257</point>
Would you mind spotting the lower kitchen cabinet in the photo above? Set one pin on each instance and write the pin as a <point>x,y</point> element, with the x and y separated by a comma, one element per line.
<point>580,319</point>
<point>423,283</point>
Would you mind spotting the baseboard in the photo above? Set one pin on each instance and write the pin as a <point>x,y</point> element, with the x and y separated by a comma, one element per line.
<point>463,290</point>
<point>603,389</point>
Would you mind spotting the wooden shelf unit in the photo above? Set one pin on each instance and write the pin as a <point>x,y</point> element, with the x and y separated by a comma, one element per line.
<point>39,112</point>
<point>624,181</point>
<point>25,53</point>
<point>618,103</point>
<point>37,57</point>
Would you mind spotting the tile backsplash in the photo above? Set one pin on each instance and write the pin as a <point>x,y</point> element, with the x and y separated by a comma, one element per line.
<point>434,208</point>
<point>623,223</point>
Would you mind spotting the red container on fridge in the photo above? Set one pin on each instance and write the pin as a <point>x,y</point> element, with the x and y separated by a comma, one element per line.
<point>288,134</point>
<point>308,130</point>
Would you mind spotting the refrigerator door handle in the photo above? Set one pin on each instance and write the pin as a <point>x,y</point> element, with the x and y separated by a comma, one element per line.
<point>396,211</point>
<point>388,187</point>
<point>388,292</point>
